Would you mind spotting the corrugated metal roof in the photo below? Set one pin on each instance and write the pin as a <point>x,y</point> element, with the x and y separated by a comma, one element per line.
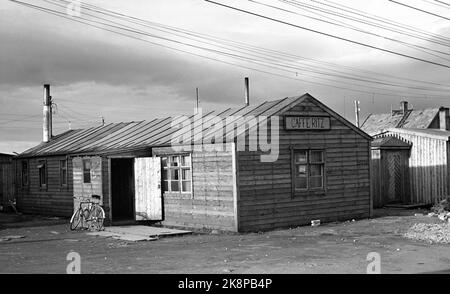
<point>390,142</point>
<point>420,119</point>
<point>430,133</point>
<point>159,132</point>
<point>144,134</point>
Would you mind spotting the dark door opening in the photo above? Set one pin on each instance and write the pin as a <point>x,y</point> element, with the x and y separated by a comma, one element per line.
<point>122,189</point>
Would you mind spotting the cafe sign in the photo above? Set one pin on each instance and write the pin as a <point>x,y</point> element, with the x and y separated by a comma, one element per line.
<point>307,123</point>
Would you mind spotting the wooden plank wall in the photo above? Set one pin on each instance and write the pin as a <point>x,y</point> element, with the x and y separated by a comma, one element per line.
<point>55,200</point>
<point>266,199</point>
<point>83,191</point>
<point>7,191</point>
<point>211,205</point>
<point>428,167</point>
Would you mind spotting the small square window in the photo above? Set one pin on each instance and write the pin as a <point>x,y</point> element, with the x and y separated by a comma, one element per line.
<point>176,174</point>
<point>309,169</point>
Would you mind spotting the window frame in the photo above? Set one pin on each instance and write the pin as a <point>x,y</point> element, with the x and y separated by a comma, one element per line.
<point>308,189</point>
<point>83,160</point>
<point>180,168</point>
<point>42,164</point>
<point>61,183</point>
<point>22,163</point>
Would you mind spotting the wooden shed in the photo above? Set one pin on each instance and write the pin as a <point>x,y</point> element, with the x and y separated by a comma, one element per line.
<point>390,171</point>
<point>6,180</point>
<point>320,171</point>
<point>420,176</point>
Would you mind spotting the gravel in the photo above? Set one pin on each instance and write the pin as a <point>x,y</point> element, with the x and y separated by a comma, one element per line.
<point>432,233</point>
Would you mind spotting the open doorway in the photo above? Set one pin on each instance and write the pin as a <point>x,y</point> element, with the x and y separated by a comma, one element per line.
<point>122,189</point>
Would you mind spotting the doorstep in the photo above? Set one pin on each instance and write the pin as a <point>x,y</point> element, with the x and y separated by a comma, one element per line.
<point>138,233</point>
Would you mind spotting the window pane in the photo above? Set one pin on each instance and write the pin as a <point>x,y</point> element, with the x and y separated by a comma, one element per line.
<point>165,174</point>
<point>316,156</point>
<point>165,186</point>
<point>164,161</point>
<point>186,160</point>
<point>175,161</point>
<point>300,183</point>
<point>86,164</point>
<point>174,174</point>
<point>186,174</point>
<point>315,170</point>
<point>186,186</point>
<point>300,157</point>
<point>175,186</point>
<point>301,170</point>
<point>315,182</point>
<point>87,177</point>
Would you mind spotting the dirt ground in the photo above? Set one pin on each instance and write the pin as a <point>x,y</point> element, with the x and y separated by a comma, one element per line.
<point>329,248</point>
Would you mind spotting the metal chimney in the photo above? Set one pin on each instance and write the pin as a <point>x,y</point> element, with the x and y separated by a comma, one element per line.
<point>247,92</point>
<point>47,113</point>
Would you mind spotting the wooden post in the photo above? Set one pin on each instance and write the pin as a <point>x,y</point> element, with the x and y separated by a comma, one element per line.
<point>357,113</point>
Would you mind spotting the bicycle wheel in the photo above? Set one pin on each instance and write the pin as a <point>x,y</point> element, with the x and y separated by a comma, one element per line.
<point>75,220</point>
<point>96,218</point>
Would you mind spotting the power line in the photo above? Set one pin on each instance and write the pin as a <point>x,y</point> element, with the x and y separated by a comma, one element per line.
<point>251,60</point>
<point>329,35</point>
<point>382,22</point>
<point>442,2</point>
<point>410,45</point>
<point>437,3</point>
<point>197,35</point>
<point>419,9</point>
<point>217,52</point>
<point>259,70</point>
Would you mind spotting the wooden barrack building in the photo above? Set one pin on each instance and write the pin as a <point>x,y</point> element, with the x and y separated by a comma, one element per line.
<point>322,171</point>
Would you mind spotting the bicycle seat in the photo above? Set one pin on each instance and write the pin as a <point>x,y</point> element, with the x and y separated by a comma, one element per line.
<point>97,197</point>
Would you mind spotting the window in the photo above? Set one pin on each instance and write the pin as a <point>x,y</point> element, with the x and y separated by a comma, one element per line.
<point>24,173</point>
<point>63,172</point>
<point>42,166</point>
<point>308,169</point>
<point>86,171</point>
<point>177,173</point>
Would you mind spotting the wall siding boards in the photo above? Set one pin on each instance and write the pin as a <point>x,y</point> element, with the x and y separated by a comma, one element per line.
<point>55,199</point>
<point>211,205</point>
<point>266,199</point>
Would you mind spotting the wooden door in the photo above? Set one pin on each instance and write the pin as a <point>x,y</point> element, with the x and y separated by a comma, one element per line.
<point>148,197</point>
<point>397,180</point>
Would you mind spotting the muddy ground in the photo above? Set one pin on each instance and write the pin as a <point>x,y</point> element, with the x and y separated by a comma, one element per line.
<point>329,248</point>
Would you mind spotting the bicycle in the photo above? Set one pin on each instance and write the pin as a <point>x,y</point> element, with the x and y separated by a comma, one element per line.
<point>90,215</point>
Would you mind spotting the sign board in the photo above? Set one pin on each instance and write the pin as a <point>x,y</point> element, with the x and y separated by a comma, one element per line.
<point>307,123</point>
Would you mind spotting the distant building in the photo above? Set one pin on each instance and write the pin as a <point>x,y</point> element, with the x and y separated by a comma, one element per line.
<point>410,155</point>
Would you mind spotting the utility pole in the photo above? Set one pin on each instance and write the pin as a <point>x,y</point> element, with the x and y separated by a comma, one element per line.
<point>357,110</point>
<point>196,90</point>
<point>247,91</point>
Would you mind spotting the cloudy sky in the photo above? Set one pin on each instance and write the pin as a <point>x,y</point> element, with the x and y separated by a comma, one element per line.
<point>96,73</point>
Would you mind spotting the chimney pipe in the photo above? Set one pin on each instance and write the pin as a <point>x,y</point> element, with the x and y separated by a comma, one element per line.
<point>404,106</point>
<point>47,113</point>
<point>444,120</point>
<point>247,92</point>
